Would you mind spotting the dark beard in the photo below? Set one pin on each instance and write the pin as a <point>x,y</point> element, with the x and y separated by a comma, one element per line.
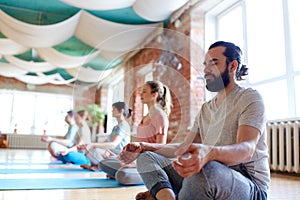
<point>219,83</point>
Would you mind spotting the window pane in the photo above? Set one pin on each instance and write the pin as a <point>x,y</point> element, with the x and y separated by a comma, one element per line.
<point>294,16</point>
<point>232,18</point>
<point>297,91</point>
<point>265,34</point>
<point>50,114</point>
<point>34,112</point>
<point>23,113</point>
<point>275,99</point>
<point>5,116</point>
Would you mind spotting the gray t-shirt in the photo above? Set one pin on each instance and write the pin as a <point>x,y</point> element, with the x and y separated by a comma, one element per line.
<point>218,126</point>
<point>123,130</point>
<point>72,134</point>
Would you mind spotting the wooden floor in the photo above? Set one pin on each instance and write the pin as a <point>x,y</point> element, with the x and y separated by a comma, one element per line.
<point>283,187</point>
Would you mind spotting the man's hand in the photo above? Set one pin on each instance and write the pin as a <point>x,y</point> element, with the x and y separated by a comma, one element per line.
<point>130,152</point>
<point>199,155</point>
<point>108,154</point>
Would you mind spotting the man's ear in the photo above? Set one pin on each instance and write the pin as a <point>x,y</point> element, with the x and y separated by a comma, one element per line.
<point>233,66</point>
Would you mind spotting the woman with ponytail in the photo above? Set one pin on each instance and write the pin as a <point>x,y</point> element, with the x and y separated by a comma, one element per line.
<point>153,128</point>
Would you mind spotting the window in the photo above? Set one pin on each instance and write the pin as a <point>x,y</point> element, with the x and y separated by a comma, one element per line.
<point>265,40</point>
<point>294,16</point>
<point>224,20</point>
<point>115,93</point>
<point>6,110</point>
<point>268,34</point>
<point>297,88</point>
<point>32,113</point>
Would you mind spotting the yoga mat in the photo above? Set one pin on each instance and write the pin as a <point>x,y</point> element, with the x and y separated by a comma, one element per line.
<point>31,163</point>
<point>57,183</point>
<point>46,170</point>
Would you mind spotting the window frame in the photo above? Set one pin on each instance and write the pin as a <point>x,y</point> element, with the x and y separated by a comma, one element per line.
<point>211,34</point>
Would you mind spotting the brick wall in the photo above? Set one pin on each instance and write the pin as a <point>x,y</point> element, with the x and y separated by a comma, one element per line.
<point>14,84</point>
<point>186,83</point>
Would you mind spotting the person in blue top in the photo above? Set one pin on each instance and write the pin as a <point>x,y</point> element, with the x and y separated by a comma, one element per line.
<point>62,148</point>
<point>119,137</point>
<point>57,145</point>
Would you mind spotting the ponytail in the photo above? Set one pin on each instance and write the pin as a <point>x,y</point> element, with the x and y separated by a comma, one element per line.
<point>122,105</point>
<point>164,95</point>
<point>241,72</point>
<point>167,100</point>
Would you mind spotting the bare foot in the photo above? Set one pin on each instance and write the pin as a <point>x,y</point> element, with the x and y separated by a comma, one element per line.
<point>92,168</point>
<point>109,176</point>
<point>144,196</point>
<point>85,166</point>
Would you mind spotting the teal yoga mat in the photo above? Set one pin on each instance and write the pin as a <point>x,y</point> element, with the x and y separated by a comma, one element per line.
<point>46,170</point>
<point>56,183</point>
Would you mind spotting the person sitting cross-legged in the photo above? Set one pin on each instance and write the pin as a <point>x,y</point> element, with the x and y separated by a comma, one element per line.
<point>225,154</point>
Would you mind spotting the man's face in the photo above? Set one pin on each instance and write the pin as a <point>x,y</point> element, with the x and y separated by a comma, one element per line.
<point>216,70</point>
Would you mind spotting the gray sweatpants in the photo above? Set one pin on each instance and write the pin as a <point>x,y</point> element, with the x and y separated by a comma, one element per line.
<point>214,181</point>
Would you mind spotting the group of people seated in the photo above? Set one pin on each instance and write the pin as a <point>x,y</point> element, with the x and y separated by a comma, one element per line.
<point>223,156</point>
<point>76,146</point>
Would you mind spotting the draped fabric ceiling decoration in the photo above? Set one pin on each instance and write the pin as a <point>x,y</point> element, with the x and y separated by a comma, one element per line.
<point>59,42</point>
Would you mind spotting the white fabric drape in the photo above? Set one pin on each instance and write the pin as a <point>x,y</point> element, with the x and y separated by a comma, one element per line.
<point>11,71</point>
<point>37,36</point>
<point>88,75</point>
<point>113,55</point>
<point>34,80</point>
<point>151,10</point>
<point>157,10</point>
<point>9,47</point>
<point>30,65</point>
<point>43,79</point>
<point>64,61</point>
<point>100,4</point>
<point>112,41</point>
<point>103,34</point>
<point>55,79</point>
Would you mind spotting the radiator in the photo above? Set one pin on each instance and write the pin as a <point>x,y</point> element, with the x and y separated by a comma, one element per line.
<point>17,141</point>
<point>283,143</point>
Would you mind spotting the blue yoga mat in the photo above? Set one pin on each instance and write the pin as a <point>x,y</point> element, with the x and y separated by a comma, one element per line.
<point>57,183</point>
<point>46,170</point>
<point>31,163</point>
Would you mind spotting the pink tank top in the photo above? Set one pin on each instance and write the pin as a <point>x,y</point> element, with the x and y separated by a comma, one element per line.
<point>157,125</point>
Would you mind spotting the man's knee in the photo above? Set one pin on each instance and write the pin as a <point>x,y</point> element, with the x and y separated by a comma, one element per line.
<point>143,158</point>
<point>207,182</point>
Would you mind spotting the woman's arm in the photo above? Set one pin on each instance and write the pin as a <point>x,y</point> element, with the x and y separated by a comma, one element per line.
<point>62,141</point>
<point>161,138</point>
<point>133,149</point>
<point>107,145</point>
